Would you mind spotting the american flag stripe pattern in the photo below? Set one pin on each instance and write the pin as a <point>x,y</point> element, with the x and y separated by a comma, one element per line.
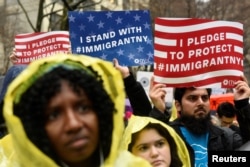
<point>197,52</point>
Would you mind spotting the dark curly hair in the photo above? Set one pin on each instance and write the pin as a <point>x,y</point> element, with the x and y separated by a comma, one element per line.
<point>226,109</point>
<point>175,159</point>
<point>33,102</point>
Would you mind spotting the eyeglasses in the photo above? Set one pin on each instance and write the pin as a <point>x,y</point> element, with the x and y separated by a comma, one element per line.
<point>194,98</point>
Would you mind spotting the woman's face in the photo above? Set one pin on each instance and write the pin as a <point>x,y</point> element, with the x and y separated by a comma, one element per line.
<point>151,146</point>
<point>72,126</point>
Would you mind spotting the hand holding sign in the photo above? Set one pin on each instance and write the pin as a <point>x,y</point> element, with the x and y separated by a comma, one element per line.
<point>157,95</point>
<point>123,69</point>
<point>242,90</point>
<point>13,58</point>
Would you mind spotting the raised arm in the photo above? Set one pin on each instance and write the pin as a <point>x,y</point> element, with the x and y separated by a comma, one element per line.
<point>157,95</point>
<point>241,100</point>
<point>137,96</point>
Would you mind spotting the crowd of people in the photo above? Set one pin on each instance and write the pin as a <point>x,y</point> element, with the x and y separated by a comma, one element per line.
<point>194,122</point>
<point>68,111</point>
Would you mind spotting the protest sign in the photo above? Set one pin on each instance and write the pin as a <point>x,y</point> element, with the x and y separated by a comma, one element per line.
<point>33,46</point>
<point>198,52</point>
<point>125,35</point>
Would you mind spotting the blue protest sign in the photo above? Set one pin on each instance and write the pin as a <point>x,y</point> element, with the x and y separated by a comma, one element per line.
<point>125,35</point>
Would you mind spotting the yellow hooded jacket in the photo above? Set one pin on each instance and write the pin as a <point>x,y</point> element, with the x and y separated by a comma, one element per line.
<point>137,123</point>
<point>16,150</point>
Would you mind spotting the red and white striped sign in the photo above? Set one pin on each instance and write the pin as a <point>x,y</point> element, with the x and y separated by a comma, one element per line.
<point>198,52</point>
<point>33,46</point>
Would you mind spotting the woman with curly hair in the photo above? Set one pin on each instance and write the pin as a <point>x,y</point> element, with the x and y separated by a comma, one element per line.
<point>65,111</point>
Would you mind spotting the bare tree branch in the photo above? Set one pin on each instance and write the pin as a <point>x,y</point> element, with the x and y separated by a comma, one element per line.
<point>26,15</point>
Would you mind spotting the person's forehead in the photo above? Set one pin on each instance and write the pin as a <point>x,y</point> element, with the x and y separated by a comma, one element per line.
<point>227,119</point>
<point>196,91</point>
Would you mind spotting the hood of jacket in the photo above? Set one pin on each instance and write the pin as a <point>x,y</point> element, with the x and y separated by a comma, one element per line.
<point>137,123</point>
<point>27,152</point>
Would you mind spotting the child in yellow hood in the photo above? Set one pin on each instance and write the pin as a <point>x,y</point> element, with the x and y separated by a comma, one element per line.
<point>156,142</point>
<point>66,111</point>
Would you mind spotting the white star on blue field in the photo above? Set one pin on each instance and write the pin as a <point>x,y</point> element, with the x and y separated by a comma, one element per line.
<point>125,35</point>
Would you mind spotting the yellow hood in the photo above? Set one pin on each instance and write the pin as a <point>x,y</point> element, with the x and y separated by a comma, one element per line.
<point>17,150</point>
<point>137,123</point>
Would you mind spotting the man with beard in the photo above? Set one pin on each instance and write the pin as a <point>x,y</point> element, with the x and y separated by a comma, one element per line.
<point>194,124</point>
